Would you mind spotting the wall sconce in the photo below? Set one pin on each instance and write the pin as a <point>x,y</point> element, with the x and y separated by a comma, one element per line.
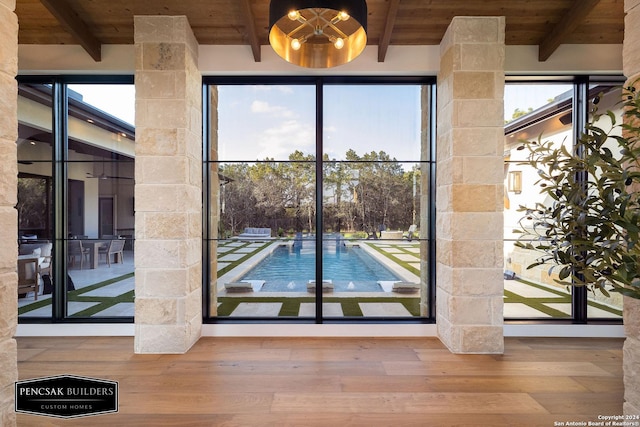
<point>514,183</point>
<point>318,33</point>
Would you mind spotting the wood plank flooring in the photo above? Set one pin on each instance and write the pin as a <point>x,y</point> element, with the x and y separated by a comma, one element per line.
<point>338,382</point>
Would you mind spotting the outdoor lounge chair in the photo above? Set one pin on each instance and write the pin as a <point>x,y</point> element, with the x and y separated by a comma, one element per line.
<point>238,287</point>
<point>405,287</point>
<point>43,251</point>
<point>327,286</point>
<point>255,233</point>
<point>44,248</point>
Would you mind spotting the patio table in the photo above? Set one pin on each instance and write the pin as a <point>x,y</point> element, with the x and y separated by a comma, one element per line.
<point>94,245</point>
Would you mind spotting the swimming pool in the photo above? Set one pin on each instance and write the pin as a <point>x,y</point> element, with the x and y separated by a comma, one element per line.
<point>288,269</point>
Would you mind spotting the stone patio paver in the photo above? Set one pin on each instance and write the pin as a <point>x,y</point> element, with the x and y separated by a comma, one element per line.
<point>112,290</point>
<point>232,257</point>
<point>246,250</point>
<point>387,309</point>
<point>517,309</point>
<point>528,291</point>
<point>563,307</point>
<point>331,309</point>
<point>232,252</point>
<point>257,309</point>
<point>120,309</point>
<point>394,251</point>
<point>600,313</point>
<point>405,257</point>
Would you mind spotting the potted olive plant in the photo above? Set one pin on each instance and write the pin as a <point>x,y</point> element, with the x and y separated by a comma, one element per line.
<point>589,233</point>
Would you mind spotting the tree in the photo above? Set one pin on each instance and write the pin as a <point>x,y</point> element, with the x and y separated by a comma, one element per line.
<point>382,192</point>
<point>34,204</point>
<point>339,179</point>
<point>270,191</point>
<point>519,113</point>
<point>373,188</point>
<point>236,198</point>
<point>301,189</point>
<point>591,230</point>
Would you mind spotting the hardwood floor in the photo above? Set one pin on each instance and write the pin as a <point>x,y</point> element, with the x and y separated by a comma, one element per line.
<point>338,382</point>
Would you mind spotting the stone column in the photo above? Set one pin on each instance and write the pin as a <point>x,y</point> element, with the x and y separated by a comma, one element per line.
<point>8,214</point>
<point>168,191</point>
<point>425,190</point>
<point>631,312</point>
<point>214,202</point>
<point>469,223</point>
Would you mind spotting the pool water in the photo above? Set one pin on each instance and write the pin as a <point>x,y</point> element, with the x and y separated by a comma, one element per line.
<point>290,269</point>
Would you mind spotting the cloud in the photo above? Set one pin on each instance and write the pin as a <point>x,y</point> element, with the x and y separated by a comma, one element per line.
<point>290,135</point>
<point>268,88</point>
<point>259,107</point>
<point>263,107</point>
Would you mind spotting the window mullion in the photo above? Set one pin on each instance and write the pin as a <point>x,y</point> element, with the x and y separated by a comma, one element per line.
<point>319,196</point>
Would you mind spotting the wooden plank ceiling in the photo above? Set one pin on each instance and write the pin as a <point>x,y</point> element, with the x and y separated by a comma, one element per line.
<point>546,23</point>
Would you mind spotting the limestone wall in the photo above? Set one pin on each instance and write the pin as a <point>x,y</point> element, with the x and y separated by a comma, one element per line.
<point>214,203</point>
<point>425,191</point>
<point>631,65</point>
<point>8,214</point>
<point>168,190</point>
<point>470,188</point>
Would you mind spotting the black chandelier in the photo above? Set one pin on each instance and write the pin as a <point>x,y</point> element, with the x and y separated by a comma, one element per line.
<point>318,33</point>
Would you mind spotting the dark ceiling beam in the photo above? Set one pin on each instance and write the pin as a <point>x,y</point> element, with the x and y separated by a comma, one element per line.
<point>74,25</point>
<point>385,38</point>
<point>567,24</point>
<point>251,28</point>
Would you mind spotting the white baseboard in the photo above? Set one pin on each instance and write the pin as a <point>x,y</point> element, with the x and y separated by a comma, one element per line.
<point>324,330</point>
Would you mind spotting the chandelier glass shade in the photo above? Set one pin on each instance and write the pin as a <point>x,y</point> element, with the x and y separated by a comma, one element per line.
<point>318,33</point>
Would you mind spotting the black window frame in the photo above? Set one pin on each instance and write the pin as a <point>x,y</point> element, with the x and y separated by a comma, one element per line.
<point>319,82</point>
<point>59,119</point>
<point>579,116</point>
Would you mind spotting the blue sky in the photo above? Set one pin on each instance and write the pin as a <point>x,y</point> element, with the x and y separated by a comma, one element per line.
<point>535,96</point>
<point>260,121</point>
<point>117,100</point>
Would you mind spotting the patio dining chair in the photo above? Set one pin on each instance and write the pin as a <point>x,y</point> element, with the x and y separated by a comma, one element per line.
<point>115,248</point>
<point>28,276</point>
<point>74,249</point>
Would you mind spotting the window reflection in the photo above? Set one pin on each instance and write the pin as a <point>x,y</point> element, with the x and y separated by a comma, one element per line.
<point>35,198</point>
<point>545,112</point>
<point>264,188</point>
<point>532,111</point>
<point>99,190</point>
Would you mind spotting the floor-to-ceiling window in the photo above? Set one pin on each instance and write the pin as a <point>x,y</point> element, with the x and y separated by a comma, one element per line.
<point>75,197</point>
<point>318,199</point>
<point>550,111</point>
